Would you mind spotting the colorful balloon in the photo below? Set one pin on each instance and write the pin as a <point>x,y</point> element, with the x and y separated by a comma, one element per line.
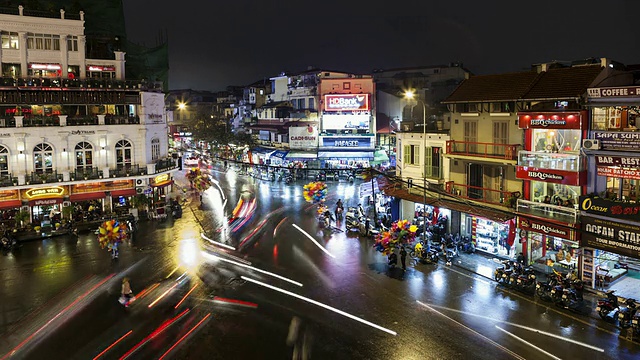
<point>401,232</point>
<point>315,192</point>
<point>110,233</point>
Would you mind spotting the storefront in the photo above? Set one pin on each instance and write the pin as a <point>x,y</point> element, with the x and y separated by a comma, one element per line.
<point>44,201</point>
<point>101,72</point>
<point>548,245</point>
<point>9,199</point>
<point>339,152</point>
<point>105,195</point>
<point>492,237</point>
<point>160,185</point>
<point>619,176</point>
<point>276,158</point>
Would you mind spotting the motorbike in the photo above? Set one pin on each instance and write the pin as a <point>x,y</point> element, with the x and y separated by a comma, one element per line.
<point>7,242</point>
<point>502,273</point>
<point>544,289</point>
<point>626,315</point>
<point>322,176</point>
<point>572,298</point>
<point>339,211</point>
<point>426,254</point>
<point>468,246</point>
<point>526,281</point>
<point>608,308</point>
<point>288,178</point>
<point>176,211</point>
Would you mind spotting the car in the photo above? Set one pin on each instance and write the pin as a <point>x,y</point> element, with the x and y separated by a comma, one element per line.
<point>192,161</point>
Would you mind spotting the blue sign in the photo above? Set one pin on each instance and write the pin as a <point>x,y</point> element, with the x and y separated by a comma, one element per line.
<point>346,142</point>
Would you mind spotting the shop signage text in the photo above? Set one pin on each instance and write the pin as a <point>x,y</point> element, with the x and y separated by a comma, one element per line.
<point>52,191</point>
<point>617,172</point>
<point>623,239</point>
<point>346,142</point>
<point>303,137</point>
<point>550,120</point>
<point>546,229</point>
<point>45,66</point>
<point>346,102</point>
<point>101,68</point>
<point>183,134</point>
<point>5,135</point>
<point>629,141</point>
<point>83,132</point>
<point>161,178</point>
<point>613,91</point>
<point>605,207</point>
<point>41,202</point>
<point>624,161</point>
<point>550,175</point>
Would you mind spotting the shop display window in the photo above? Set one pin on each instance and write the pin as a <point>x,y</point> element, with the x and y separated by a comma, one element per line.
<point>553,251</point>
<point>622,189</point>
<point>556,140</point>
<point>555,194</point>
<point>491,237</point>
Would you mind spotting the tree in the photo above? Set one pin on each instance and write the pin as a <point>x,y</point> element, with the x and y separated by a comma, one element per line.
<point>210,128</point>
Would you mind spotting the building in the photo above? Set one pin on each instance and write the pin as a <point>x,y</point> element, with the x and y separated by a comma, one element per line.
<point>73,130</point>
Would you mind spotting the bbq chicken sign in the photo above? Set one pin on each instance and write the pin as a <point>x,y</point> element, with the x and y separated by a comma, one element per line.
<point>346,102</point>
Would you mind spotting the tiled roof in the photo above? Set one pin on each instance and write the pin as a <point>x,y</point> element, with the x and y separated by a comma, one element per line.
<point>499,87</point>
<point>564,82</point>
<point>569,82</point>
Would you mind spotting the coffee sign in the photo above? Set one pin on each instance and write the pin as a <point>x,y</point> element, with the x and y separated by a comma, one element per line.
<point>616,209</point>
<point>623,239</point>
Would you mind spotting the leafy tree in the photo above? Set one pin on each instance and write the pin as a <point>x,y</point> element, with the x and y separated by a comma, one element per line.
<point>210,128</point>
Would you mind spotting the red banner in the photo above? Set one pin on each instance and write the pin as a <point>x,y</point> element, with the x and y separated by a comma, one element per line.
<point>619,173</point>
<point>546,228</point>
<point>551,176</point>
<point>551,120</point>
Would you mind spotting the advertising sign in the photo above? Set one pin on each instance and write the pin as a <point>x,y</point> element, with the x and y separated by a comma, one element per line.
<point>345,121</point>
<point>347,142</point>
<point>45,192</point>
<point>614,91</point>
<point>551,175</point>
<point>619,238</point>
<point>153,107</point>
<point>545,228</point>
<point>346,102</point>
<point>618,172</point>
<point>550,120</point>
<point>303,137</point>
<point>622,161</point>
<point>610,208</point>
<point>629,141</point>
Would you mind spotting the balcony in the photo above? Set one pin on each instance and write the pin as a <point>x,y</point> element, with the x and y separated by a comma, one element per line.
<point>33,83</point>
<point>165,164</point>
<point>82,120</point>
<point>44,177</point>
<point>7,180</point>
<point>86,174</point>
<point>121,120</point>
<point>483,150</point>
<point>128,170</point>
<point>556,161</point>
<point>35,121</point>
<point>485,195</point>
<point>564,214</point>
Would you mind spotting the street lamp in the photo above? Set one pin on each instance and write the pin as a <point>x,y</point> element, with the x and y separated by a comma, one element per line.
<point>181,106</point>
<point>410,95</point>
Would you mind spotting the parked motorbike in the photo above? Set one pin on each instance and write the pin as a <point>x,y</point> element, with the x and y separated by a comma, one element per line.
<point>626,315</point>
<point>288,179</point>
<point>322,176</point>
<point>176,211</point>
<point>468,246</point>
<point>502,273</point>
<point>526,281</point>
<point>544,289</point>
<point>608,308</point>
<point>8,242</point>
<point>572,298</point>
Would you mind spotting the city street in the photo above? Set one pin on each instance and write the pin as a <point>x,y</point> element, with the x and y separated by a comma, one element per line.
<point>199,299</point>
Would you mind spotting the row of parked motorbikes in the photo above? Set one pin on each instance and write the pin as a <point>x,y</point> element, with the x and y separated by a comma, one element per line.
<point>627,315</point>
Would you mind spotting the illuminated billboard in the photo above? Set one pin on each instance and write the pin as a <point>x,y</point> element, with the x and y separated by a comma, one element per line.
<point>345,122</point>
<point>346,102</point>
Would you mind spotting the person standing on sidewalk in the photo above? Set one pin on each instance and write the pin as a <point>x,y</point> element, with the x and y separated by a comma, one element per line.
<point>403,258</point>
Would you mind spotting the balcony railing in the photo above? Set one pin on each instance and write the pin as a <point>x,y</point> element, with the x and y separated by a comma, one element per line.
<point>86,174</point>
<point>128,170</point>
<point>121,119</point>
<point>37,120</point>
<point>44,177</point>
<point>565,214</point>
<point>165,164</point>
<point>557,161</point>
<point>484,150</point>
<point>477,193</point>
<point>107,84</point>
<point>82,120</point>
<point>8,180</point>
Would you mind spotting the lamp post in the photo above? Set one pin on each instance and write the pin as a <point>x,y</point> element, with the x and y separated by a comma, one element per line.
<point>410,95</point>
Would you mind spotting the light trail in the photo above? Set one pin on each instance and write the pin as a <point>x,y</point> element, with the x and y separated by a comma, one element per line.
<point>314,302</point>
<point>528,343</point>
<point>184,336</point>
<point>256,269</point>
<point>217,243</point>
<point>219,299</point>
<point>77,300</point>
<point>238,259</point>
<point>146,291</point>
<point>185,296</point>
<point>112,345</point>
<point>278,226</point>
<point>518,326</point>
<point>314,241</point>
<point>163,295</point>
<point>172,272</point>
<point>155,333</point>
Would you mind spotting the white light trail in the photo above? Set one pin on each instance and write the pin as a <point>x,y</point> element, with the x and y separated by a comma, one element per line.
<point>528,343</point>
<point>353,317</point>
<point>314,241</point>
<point>255,269</point>
<point>217,243</point>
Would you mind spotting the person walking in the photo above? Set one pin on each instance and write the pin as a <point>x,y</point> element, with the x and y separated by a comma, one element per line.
<point>403,258</point>
<point>126,293</point>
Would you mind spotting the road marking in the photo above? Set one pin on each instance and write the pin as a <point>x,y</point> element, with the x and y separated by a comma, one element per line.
<point>528,343</point>
<point>216,243</point>
<point>473,331</point>
<point>476,278</point>
<point>311,301</point>
<point>314,241</point>
<point>254,269</point>
<point>516,325</point>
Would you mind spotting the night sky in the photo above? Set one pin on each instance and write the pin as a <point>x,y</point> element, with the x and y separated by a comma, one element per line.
<point>214,44</point>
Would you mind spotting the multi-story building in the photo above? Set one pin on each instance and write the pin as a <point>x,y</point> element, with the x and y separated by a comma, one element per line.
<point>187,105</point>
<point>610,207</point>
<point>69,135</point>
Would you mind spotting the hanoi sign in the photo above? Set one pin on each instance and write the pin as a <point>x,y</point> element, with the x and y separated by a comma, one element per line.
<point>346,102</point>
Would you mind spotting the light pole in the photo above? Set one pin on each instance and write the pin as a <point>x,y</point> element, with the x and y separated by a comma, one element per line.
<point>410,96</point>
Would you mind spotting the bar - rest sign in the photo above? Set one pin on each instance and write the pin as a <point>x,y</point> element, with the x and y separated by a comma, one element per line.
<point>619,238</point>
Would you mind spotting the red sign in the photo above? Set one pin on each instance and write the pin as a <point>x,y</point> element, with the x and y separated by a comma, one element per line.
<point>45,202</point>
<point>625,161</point>
<point>101,68</point>
<point>551,120</point>
<point>619,173</point>
<point>551,175</point>
<point>346,102</point>
<point>546,228</point>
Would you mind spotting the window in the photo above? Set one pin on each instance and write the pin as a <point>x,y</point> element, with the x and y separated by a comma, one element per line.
<point>4,162</point>
<point>84,156</point>
<point>312,104</point>
<point>155,149</point>
<point>471,136</point>
<point>500,136</point>
<point>72,43</point>
<point>43,41</point>
<point>346,86</point>
<point>123,154</point>
<point>43,158</point>
<point>501,107</point>
<point>302,104</point>
<point>411,155</point>
<point>433,160</point>
<point>10,40</point>
<point>606,118</point>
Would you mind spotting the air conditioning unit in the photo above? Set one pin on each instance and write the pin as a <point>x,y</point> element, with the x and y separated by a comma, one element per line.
<point>591,144</point>
<point>141,182</point>
<point>140,190</point>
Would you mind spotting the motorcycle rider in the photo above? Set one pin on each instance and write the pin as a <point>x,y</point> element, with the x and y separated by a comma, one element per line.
<point>339,208</point>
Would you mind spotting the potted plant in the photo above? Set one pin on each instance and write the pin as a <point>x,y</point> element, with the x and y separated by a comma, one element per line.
<point>140,202</point>
<point>67,211</point>
<point>37,228</point>
<point>21,217</point>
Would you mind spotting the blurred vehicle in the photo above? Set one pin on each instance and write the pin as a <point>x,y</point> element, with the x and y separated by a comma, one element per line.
<point>191,161</point>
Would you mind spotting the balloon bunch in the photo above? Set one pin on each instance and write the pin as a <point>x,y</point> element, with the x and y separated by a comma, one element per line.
<point>401,232</point>
<point>111,232</point>
<point>315,192</point>
<point>202,183</point>
<point>193,174</point>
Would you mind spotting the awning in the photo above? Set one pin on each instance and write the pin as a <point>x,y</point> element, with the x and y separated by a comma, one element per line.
<point>345,155</point>
<point>303,155</point>
<point>46,202</point>
<point>87,196</point>
<point>260,150</point>
<point>125,192</point>
<point>162,184</point>
<point>380,156</point>
<point>279,153</point>
<point>10,204</point>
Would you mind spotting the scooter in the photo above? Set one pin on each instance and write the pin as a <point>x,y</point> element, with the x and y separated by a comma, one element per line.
<point>608,308</point>
<point>626,315</point>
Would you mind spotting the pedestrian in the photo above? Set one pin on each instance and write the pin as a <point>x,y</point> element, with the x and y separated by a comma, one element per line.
<point>403,258</point>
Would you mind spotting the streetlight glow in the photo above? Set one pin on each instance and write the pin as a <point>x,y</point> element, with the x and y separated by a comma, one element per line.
<point>181,106</point>
<point>409,94</point>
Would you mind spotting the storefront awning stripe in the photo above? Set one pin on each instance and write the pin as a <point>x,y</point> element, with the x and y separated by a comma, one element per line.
<point>10,204</point>
<point>87,196</point>
<point>125,192</point>
<point>279,154</point>
<point>293,155</point>
<point>345,155</point>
